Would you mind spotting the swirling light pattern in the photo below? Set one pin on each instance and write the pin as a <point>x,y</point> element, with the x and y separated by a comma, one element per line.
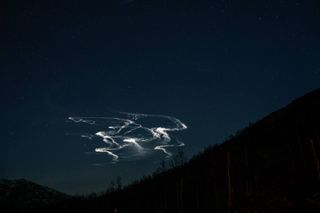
<point>132,134</point>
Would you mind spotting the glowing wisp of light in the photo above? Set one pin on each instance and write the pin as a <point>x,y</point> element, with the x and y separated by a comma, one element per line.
<point>139,132</point>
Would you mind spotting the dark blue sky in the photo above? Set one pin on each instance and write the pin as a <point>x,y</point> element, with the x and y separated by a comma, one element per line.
<point>216,65</point>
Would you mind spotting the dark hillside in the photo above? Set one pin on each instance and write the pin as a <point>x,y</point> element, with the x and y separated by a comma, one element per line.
<point>20,195</point>
<point>270,166</point>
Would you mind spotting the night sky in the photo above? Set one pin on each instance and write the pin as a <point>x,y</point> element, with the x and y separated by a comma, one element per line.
<point>215,65</point>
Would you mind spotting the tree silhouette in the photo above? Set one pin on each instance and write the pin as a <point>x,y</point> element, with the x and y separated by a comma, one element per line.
<point>272,166</point>
<point>119,183</point>
<point>112,186</point>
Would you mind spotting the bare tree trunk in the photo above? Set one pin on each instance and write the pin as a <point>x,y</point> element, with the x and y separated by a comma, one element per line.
<point>181,195</point>
<point>315,159</point>
<point>229,183</point>
<point>197,198</point>
<point>177,193</point>
<point>165,197</point>
<point>215,194</point>
<point>247,170</point>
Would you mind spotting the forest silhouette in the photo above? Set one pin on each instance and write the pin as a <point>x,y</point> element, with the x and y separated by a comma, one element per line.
<point>270,166</point>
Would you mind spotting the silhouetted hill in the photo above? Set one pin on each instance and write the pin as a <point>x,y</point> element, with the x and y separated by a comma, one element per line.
<point>18,195</point>
<point>270,166</point>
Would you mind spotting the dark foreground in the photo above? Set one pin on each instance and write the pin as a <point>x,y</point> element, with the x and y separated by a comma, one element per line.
<point>270,166</point>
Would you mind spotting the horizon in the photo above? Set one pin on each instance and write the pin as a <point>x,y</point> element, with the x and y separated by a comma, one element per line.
<point>213,66</point>
<point>166,167</point>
